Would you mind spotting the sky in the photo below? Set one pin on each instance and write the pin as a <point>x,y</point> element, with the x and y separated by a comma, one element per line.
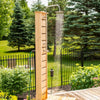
<point>30,2</point>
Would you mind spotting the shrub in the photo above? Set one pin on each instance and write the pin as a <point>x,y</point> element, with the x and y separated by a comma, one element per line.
<point>96,81</point>
<point>14,81</point>
<point>4,96</point>
<point>83,77</point>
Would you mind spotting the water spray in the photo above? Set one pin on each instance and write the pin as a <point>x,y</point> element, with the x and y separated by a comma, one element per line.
<point>58,38</point>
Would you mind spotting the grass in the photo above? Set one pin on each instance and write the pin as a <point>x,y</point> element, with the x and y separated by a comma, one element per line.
<point>7,50</point>
<point>56,81</point>
<point>56,67</point>
<point>68,63</point>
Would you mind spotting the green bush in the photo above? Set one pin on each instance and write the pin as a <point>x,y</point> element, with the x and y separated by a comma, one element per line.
<point>4,96</point>
<point>97,80</point>
<point>14,81</point>
<point>83,77</point>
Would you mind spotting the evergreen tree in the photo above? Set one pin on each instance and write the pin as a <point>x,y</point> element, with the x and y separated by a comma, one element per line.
<point>28,22</point>
<point>6,11</point>
<point>18,34</point>
<point>96,24</point>
<point>25,8</point>
<point>38,6</point>
<point>30,27</point>
<point>82,24</point>
<point>31,21</point>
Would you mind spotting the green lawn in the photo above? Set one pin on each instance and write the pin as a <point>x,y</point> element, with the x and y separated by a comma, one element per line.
<point>7,50</point>
<point>68,63</point>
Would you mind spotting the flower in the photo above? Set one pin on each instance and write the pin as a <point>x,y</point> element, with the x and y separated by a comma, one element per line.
<point>77,64</point>
<point>95,78</point>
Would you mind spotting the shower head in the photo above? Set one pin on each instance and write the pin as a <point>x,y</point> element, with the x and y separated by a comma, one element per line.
<point>53,6</point>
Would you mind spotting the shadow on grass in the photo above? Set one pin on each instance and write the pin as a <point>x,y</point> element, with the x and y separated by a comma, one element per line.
<point>50,58</point>
<point>26,51</point>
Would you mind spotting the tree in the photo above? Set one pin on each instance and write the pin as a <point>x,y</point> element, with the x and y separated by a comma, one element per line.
<point>96,24</point>
<point>18,34</point>
<point>25,8</point>
<point>6,11</point>
<point>30,31</point>
<point>38,6</point>
<point>31,21</point>
<point>28,22</point>
<point>82,25</point>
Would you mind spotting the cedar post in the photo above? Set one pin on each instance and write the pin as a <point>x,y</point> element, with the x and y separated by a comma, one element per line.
<point>41,54</point>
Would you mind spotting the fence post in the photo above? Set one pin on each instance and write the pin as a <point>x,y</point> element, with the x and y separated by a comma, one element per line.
<point>35,69</point>
<point>82,58</point>
<point>61,65</point>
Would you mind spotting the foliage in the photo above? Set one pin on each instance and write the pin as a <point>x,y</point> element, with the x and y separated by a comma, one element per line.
<point>6,11</point>
<point>14,81</point>
<point>31,22</point>
<point>7,50</point>
<point>38,6</point>
<point>25,8</point>
<point>96,81</point>
<point>82,20</point>
<point>30,28</point>
<point>67,62</point>
<point>5,96</point>
<point>83,77</point>
<point>18,34</point>
<point>28,22</point>
<point>35,7</point>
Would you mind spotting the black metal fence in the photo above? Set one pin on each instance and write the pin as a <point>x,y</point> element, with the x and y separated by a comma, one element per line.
<point>71,59</point>
<point>22,61</point>
<point>16,61</point>
<point>68,64</point>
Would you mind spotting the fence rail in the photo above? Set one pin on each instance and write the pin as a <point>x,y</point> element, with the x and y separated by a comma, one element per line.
<point>16,61</point>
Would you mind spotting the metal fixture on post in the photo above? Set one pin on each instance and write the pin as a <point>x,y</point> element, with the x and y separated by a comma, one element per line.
<point>51,74</point>
<point>54,6</point>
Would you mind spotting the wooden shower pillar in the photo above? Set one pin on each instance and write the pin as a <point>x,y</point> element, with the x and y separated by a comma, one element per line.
<point>41,54</point>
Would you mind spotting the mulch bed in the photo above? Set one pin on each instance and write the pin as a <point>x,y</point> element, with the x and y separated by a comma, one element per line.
<point>25,94</point>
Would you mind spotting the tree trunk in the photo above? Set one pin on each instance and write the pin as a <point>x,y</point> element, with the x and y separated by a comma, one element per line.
<point>18,48</point>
